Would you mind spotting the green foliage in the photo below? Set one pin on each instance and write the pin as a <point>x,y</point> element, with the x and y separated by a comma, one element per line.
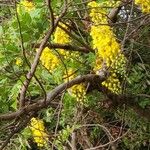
<point>139,83</point>
<point>24,32</point>
<point>139,130</point>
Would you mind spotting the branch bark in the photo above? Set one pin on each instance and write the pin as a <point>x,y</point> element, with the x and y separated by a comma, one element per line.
<point>51,95</point>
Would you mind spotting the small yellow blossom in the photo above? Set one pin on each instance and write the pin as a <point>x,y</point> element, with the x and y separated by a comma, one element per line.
<point>25,4</point>
<point>61,37</point>
<point>49,60</point>
<point>97,14</point>
<point>113,83</point>
<point>78,91</point>
<point>38,132</point>
<point>18,62</point>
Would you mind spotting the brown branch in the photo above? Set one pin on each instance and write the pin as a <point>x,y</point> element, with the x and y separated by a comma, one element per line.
<point>67,47</point>
<point>51,12</point>
<point>52,95</point>
<point>73,141</point>
<point>24,52</point>
<point>117,101</point>
<point>112,16</point>
<point>111,139</point>
<point>107,144</point>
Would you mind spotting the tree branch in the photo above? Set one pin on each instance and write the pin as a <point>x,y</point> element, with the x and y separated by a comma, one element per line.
<point>51,95</point>
<point>67,47</point>
<point>117,100</point>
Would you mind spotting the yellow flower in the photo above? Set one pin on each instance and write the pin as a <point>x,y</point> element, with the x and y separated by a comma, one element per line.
<point>49,60</point>
<point>78,91</point>
<point>108,50</point>
<point>25,4</point>
<point>18,62</point>
<point>61,37</point>
<point>38,132</point>
<point>113,83</point>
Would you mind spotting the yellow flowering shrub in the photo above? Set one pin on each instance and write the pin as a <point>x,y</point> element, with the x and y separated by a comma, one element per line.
<point>78,91</point>
<point>144,4</point>
<point>108,50</point>
<point>25,4</point>
<point>38,132</point>
<point>49,60</point>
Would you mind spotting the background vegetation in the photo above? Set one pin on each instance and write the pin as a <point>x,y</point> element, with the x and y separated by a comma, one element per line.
<point>55,99</point>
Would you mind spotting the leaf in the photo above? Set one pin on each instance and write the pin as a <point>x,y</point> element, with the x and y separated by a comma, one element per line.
<point>35,13</point>
<point>91,58</point>
<point>26,18</point>
<point>26,133</point>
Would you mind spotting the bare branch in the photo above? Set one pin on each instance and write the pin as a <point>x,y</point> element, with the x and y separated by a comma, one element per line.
<point>52,95</point>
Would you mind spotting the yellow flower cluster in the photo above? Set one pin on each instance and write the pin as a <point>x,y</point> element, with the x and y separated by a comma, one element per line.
<point>145,5</point>
<point>119,66</point>
<point>97,14</point>
<point>61,37</point>
<point>113,83</point>
<point>105,43</point>
<point>25,4</point>
<point>38,132</point>
<point>78,90</point>
<point>98,11</point>
<point>49,60</point>
<point>107,48</point>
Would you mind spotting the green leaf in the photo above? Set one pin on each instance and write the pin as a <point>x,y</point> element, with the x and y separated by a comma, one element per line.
<point>26,133</point>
